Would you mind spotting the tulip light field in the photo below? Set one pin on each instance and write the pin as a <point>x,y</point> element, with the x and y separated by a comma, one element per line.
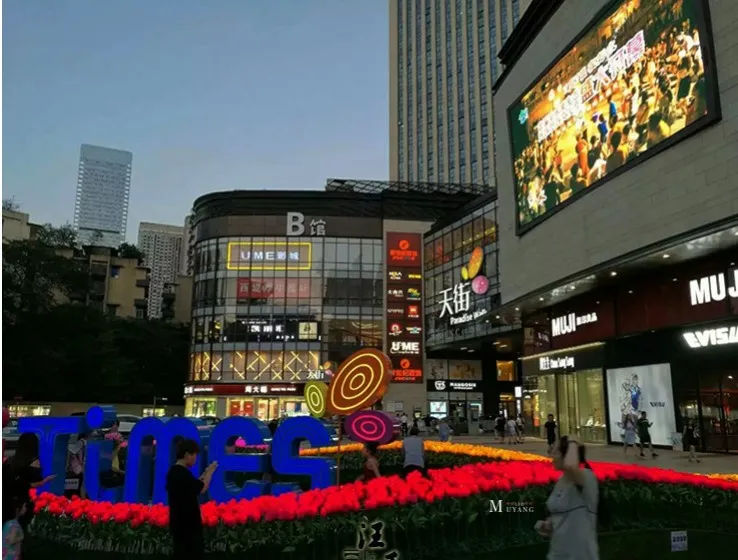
<point>445,515</point>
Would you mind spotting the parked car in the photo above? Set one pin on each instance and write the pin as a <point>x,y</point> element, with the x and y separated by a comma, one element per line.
<point>127,421</point>
<point>210,420</point>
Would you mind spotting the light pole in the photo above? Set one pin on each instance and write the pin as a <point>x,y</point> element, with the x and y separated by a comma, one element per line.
<point>161,399</point>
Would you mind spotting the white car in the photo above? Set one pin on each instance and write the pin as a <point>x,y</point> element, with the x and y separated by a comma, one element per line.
<point>127,421</point>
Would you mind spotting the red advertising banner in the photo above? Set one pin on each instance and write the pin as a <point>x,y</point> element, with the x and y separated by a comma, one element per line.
<point>273,288</point>
<point>404,295</point>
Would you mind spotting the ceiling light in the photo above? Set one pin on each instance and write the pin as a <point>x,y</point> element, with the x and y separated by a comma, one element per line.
<point>497,316</point>
<point>666,255</point>
<point>732,264</point>
<point>471,350</point>
<point>518,309</point>
<point>630,291</point>
<point>503,345</point>
<point>674,279</point>
<point>496,342</point>
<point>464,347</point>
<point>736,234</point>
<point>540,299</point>
<point>597,302</point>
<point>613,273</point>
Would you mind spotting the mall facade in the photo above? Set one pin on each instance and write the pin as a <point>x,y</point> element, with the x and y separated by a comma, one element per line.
<point>618,217</point>
<point>287,284</point>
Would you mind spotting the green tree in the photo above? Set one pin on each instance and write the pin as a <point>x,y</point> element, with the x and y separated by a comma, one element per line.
<point>11,204</point>
<point>130,251</point>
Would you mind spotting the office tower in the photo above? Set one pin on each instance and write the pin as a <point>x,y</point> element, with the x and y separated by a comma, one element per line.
<point>162,248</point>
<point>103,187</point>
<point>443,62</point>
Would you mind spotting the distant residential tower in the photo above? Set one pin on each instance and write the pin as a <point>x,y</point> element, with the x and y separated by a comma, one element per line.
<point>161,245</point>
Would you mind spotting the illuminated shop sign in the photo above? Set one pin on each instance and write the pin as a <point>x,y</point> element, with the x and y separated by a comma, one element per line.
<point>215,389</point>
<point>272,288</point>
<point>450,385</point>
<point>409,370</point>
<point>569,323</point>
<point>296,225</point>
<point>592,112</point>
<point>269,255</point>
<point>547,363</point>
<point>465,302</point>
<point>403,249</point>
<point>405,285</point>
<point>405,347</point>
<point>308,330</point>
<point>712,337</point>
<point>716,287</point>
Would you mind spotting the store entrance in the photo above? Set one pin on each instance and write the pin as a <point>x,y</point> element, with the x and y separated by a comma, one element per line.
<point>719,406</point>
<point>566,394</point>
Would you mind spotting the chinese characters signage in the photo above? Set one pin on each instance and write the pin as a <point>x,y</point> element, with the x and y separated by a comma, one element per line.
<point>267,389</point>
<point>569,323</point>
<point>269,255</point>
<point>466,301</point>
<point>272,288</point>
<point>370,544</point>
<point>404,289</point>
<point>592,113</point>
<point>296,225</point>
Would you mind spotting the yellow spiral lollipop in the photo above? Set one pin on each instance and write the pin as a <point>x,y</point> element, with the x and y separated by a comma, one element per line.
<point>315,398</point>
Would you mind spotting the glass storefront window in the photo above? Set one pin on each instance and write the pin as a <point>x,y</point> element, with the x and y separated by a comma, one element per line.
<point>505,371</point>
<point>149,411</point>
<point>200,407</point>
<point>591,405</point>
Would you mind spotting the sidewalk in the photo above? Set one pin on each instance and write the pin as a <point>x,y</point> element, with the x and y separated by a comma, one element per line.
<point>710,463</point>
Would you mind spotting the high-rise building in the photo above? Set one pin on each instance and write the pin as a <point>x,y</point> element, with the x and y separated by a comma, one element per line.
<point>103,187</point>
<point>443,62</point>
<point>188,248</point>
<point>161,245</point>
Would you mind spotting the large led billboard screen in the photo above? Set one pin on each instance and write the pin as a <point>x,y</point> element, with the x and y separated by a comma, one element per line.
<point>639,79</point>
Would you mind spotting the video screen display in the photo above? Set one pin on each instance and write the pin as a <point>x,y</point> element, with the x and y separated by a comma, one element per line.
<point>634,80</point>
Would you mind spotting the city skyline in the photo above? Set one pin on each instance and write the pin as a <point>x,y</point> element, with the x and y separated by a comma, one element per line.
<point>194,95</point>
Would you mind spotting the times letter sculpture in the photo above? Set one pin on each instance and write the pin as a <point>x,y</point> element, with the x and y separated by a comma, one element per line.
<point>359,383</point>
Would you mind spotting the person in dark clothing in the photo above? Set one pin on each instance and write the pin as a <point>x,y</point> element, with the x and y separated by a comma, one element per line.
<point>644,435</point>
<point>21,473</point>
<point>183,490</point>
<point>550,433</point>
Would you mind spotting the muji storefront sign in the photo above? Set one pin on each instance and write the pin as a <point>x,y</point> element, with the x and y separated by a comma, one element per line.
<point>716,287</point>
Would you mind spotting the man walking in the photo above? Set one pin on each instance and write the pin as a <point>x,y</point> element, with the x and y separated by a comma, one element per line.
<point>644,435</point>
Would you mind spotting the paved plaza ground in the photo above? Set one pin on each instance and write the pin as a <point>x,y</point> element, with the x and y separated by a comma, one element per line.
<point>710,463</point>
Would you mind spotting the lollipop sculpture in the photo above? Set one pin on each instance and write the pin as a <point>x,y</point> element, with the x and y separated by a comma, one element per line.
<point>359,382</point>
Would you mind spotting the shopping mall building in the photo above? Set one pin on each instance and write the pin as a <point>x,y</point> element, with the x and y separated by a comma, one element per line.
<point>287,284</point>
<point>618,216</point>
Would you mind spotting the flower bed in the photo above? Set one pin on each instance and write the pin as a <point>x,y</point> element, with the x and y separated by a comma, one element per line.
<point>426,510</point>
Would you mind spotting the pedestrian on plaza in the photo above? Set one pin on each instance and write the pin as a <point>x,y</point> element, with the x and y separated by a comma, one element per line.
<point>12,530</point>
<point>692,439</point>
<point>403,424</point>
<point>115,476</point>
<point>76,461</point>
<point>413,453</point>
<point>444,430</point>
<point>500,428</point>
<point>21,473</point>
<point>520,428</point>
<point>512,431</point>
<point>573,505</point>
<point>629,426</point>
<point>550,427</point>
<point>184,490</point>
<point>644,435</point>
<point>371,462</point>
<point>114,433</point>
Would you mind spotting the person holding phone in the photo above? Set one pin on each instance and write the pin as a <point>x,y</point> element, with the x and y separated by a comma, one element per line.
<point>573,505</point>
<point>183,490</point>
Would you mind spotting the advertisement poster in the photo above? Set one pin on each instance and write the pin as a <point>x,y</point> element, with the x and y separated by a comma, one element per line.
<point>637,389</point>
<point>465,369</point>
<point>437,369</point>
<point>404,294</point>
<point>633,81</point>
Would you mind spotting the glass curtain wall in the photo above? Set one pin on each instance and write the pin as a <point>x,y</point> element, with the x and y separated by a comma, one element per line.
<point>445,253</point>
<point>276,309</point>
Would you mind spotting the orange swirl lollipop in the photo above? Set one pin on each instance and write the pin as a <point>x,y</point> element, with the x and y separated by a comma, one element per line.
<point>360,381</point>
<point>475,263</point>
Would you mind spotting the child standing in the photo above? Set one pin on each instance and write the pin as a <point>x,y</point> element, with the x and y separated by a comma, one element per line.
<point>12,531</point>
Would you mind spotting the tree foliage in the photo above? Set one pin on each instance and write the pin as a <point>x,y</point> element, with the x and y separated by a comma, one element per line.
<point>11,204</point>
<point>130,251</point>
<point>69,352</point>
